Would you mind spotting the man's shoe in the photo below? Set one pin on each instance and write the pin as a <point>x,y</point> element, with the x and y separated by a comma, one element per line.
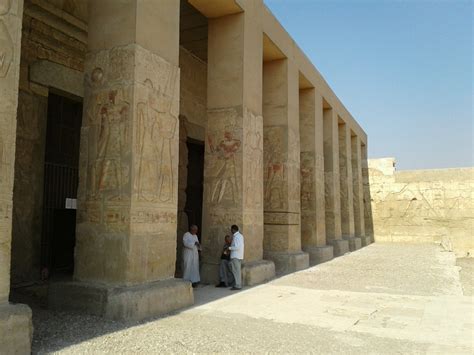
<point>235,289</point>
<point>221,284</point>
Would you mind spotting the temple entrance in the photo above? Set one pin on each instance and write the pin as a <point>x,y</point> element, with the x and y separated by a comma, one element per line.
<point>194,189</point>
<point>60,185</point>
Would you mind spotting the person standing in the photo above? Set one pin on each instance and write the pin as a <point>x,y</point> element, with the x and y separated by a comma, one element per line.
<point>236,257</point>
<point>225,276</point>
<point>191,256</point>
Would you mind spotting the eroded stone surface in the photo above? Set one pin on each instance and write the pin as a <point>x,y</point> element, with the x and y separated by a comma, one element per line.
<point>424,206</point>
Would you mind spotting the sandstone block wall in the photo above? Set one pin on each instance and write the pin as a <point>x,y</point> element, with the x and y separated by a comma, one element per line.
<point>423,206</point>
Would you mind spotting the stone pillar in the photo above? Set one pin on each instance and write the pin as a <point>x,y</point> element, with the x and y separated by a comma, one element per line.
<point>367,199</point>
<point>127,200</point>
<point>347,198</point>
<point>313,223</point>
<point>358,188</point>
<point>15,319</point>
<point>233,183</point>
<point>332,183</point>
<point>282,242</point>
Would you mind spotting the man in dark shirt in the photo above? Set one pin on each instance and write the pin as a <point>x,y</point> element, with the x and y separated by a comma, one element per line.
<point>225,276</point>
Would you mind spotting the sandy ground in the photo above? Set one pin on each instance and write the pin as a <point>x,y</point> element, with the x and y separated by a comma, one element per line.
<point>385,298</point>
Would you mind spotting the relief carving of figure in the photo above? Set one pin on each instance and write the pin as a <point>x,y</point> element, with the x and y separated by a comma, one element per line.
<point>275,172</point>
<point>5,6</point>
<point>226,177</point>
<point>156,130</point>
<point>112,144</point>
<point>6,50</point>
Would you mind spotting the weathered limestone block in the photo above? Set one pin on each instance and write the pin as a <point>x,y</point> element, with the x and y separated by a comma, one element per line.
<point>233,168</point>
<point>132,303</point>
<point>28,187</point>
<point>332,183</point>
<point>345,174</point>
<point>423,206</point>
<point>282,242</point>
<point>16,329</point>
<point>354,243</point>
<point>313,223</point>
<point>15,320</point>
<point>128,170</point>
<point>358,188</point>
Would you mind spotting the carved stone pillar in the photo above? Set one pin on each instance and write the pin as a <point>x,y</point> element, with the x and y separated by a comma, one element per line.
<point>347,198</point>
<point>282,242</point>
<point>368,221</point>
<point>313,223</point>
<point>332,183</point>
<point>15,320</point>
<point>358,188</point>
<point>127,201</point>
<point>233,172</point>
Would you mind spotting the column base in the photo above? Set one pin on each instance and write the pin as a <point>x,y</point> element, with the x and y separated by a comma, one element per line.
<point>16,329</point>
<point>319,255</point>
<point>288,262</point>
<point>366,240</point>
<point>341,246</point>
<point>355,243</point>
<point>122,303</point>
<point>257,272</point>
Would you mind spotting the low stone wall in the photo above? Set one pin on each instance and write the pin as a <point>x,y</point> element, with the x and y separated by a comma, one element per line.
<point>420,206</point>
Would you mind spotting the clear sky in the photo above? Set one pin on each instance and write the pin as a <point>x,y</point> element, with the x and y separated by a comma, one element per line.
<point>402,68</point>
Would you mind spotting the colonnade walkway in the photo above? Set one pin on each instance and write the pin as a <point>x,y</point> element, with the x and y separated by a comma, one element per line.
<point>385,298</point>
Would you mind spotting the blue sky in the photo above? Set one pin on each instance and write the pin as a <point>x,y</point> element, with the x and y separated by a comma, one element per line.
<point>402,68</point>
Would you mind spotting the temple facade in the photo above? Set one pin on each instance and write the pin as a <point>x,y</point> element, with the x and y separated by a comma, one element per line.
<point>125,121</point>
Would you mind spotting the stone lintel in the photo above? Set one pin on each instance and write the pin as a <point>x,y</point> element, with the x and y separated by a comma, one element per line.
<point>130,303</point>
<point>341,246</point>
<point>288,262</point>
<point>16,329</point>
<point>57,76</point>
<point>319,254</point>
<point>257,272</point>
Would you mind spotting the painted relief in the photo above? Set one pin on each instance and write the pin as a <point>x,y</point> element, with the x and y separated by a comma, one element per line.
<point>275,169</point>
<point>109,117</point>
<point>156,131</point>
<point>226,177</point>
<point>223,170</point>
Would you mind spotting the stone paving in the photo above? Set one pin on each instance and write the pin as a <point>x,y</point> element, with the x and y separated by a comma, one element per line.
<point>385,298</point>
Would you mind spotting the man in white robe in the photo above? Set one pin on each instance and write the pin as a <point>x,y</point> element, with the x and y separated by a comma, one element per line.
<point>191,256</point>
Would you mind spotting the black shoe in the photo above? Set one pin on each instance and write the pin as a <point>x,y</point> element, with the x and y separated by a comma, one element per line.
<point>195,284</point>
<point>235,289</point>
<point>221,284</point>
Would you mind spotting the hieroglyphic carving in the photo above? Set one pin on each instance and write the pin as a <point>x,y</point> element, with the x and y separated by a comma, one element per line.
<point>253,158</point>
<point>307,181</point>
<point>155,132</point>
<point>223,145</point>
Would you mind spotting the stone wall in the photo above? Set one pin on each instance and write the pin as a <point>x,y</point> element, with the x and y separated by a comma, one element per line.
<point>423,206</point>
<point>53,32</point>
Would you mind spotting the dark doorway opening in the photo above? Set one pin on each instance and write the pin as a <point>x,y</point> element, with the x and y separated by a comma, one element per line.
<point>195,183</point>
<point>60,185</point>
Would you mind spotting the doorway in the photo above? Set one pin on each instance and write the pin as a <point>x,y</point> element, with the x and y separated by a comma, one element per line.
<point>195,183</point>
<point>60,185</point>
